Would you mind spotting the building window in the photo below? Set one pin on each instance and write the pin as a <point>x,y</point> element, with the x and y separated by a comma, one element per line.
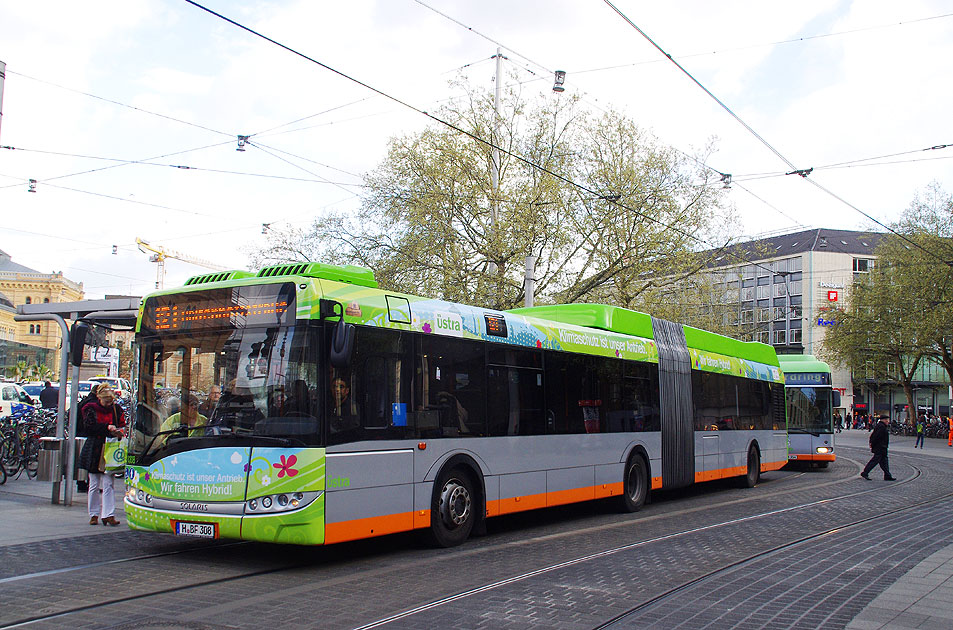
<point>863,265</point>
<point>795,264</point>
<point>795,312</point>
<point>764,336</point>
<point>748,272</point>
<point>764,315</point>
<point>764,292</point>
<point>747,317</point>
<point>780,337</point>
<point>795,335</point>
<point>32,327</point>
<point>29,300</point>
<point>779,290</point>
<point>779,312</point>
<point>46,300</point>
<point>747,294</point>
<point>795,286</point>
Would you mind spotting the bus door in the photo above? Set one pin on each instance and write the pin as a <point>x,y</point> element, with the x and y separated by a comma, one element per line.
<point>370,469</point>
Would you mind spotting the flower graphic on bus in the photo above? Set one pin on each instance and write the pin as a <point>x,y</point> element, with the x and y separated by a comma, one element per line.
<point>285,466</point>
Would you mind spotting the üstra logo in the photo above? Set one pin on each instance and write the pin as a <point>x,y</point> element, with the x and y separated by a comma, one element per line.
<point>448,324</point>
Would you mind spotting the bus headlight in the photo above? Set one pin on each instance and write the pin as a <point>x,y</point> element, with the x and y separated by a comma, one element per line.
<point>824,450</point>
<point>284,502</point>
<point>138,497</point>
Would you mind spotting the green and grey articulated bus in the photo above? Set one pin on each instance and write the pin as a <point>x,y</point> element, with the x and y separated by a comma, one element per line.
<point>303,404</point>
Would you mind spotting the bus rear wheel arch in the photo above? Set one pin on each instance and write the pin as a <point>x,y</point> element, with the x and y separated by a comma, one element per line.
<point>456,506</point>
<point>635,483</point>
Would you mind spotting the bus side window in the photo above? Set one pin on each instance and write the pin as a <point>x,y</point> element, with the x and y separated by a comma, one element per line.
<point>515,398</point>
<point>450,388</point>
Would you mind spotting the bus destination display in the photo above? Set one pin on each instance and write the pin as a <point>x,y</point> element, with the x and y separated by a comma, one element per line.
<point>807,378</point>
<point>237,307</point>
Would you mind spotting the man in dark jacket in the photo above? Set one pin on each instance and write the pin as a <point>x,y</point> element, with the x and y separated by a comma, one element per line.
<point>49,396</point>
<point>879,438</point>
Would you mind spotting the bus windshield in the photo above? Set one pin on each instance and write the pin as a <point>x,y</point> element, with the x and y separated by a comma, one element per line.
<point>809,410</point>
<point>248,385</point>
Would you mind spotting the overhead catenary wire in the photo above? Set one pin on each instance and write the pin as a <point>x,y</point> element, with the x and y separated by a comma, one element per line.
<point>537,78</point>
<point>794,170</point>
<point>298,166</point>
<point>186,167</point>
<point>121,104</point>
<point>97,170</point>
<point>464,132</point>
<point>793,40</point>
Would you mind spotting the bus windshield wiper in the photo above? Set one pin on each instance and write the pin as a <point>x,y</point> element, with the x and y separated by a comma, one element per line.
<point>179,429</point>
<point>270,439</point>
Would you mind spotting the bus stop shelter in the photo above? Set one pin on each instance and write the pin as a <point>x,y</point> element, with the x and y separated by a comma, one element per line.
<point>116,313</point>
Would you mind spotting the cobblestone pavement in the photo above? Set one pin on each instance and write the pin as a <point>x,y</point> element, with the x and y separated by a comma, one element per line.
<point>695,550</point>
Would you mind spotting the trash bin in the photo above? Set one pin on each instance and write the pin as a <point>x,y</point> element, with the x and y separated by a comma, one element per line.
<point>48,459</point>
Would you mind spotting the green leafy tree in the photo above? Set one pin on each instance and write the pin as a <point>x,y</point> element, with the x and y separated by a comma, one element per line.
<point>601,204</point>
<point>928,223</point>
<point>900,314</point>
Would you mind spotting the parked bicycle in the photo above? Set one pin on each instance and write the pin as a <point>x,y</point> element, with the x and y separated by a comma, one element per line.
<point>20,445</point>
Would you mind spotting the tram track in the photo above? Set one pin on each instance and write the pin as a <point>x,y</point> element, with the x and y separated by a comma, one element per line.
<point>689,532</point>
<point>421,563</point>
<point>223,545</point>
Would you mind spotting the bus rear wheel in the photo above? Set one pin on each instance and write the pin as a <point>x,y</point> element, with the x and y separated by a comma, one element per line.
<point>635,485</point>
<point>453,508</point>
<point>753,475</point>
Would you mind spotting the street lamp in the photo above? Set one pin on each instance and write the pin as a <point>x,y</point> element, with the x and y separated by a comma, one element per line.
<point>560,79</point>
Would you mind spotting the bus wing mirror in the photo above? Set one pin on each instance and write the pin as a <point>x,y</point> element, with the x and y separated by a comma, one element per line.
<point>342,344</point>
<point>77,342</point>
<point>836,398</point>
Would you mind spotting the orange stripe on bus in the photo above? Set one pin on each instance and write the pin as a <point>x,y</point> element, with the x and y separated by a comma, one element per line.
<point>608,490</point>
<point>734,471</point>
<point>367,527</point>
<point>828,457</point>
<point>576,495</point>
<point>419,519</point>
<point>521,504</point>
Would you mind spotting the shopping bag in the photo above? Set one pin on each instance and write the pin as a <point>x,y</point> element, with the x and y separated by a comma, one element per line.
<point>114,456</point>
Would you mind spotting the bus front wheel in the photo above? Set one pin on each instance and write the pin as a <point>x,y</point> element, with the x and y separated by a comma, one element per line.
<point>453,508</point>
<point>635,486</point>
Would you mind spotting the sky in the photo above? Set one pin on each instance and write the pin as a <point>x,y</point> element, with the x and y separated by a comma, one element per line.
<point>105,103</point>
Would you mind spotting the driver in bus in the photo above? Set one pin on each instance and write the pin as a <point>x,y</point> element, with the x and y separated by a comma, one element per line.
<point>343,417</point>
<point>188,418</point>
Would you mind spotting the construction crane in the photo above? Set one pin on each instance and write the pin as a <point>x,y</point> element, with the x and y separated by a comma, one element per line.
<point>158,254</point>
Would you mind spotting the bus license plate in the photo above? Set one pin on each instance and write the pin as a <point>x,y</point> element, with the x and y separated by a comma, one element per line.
<point>201,530</point>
